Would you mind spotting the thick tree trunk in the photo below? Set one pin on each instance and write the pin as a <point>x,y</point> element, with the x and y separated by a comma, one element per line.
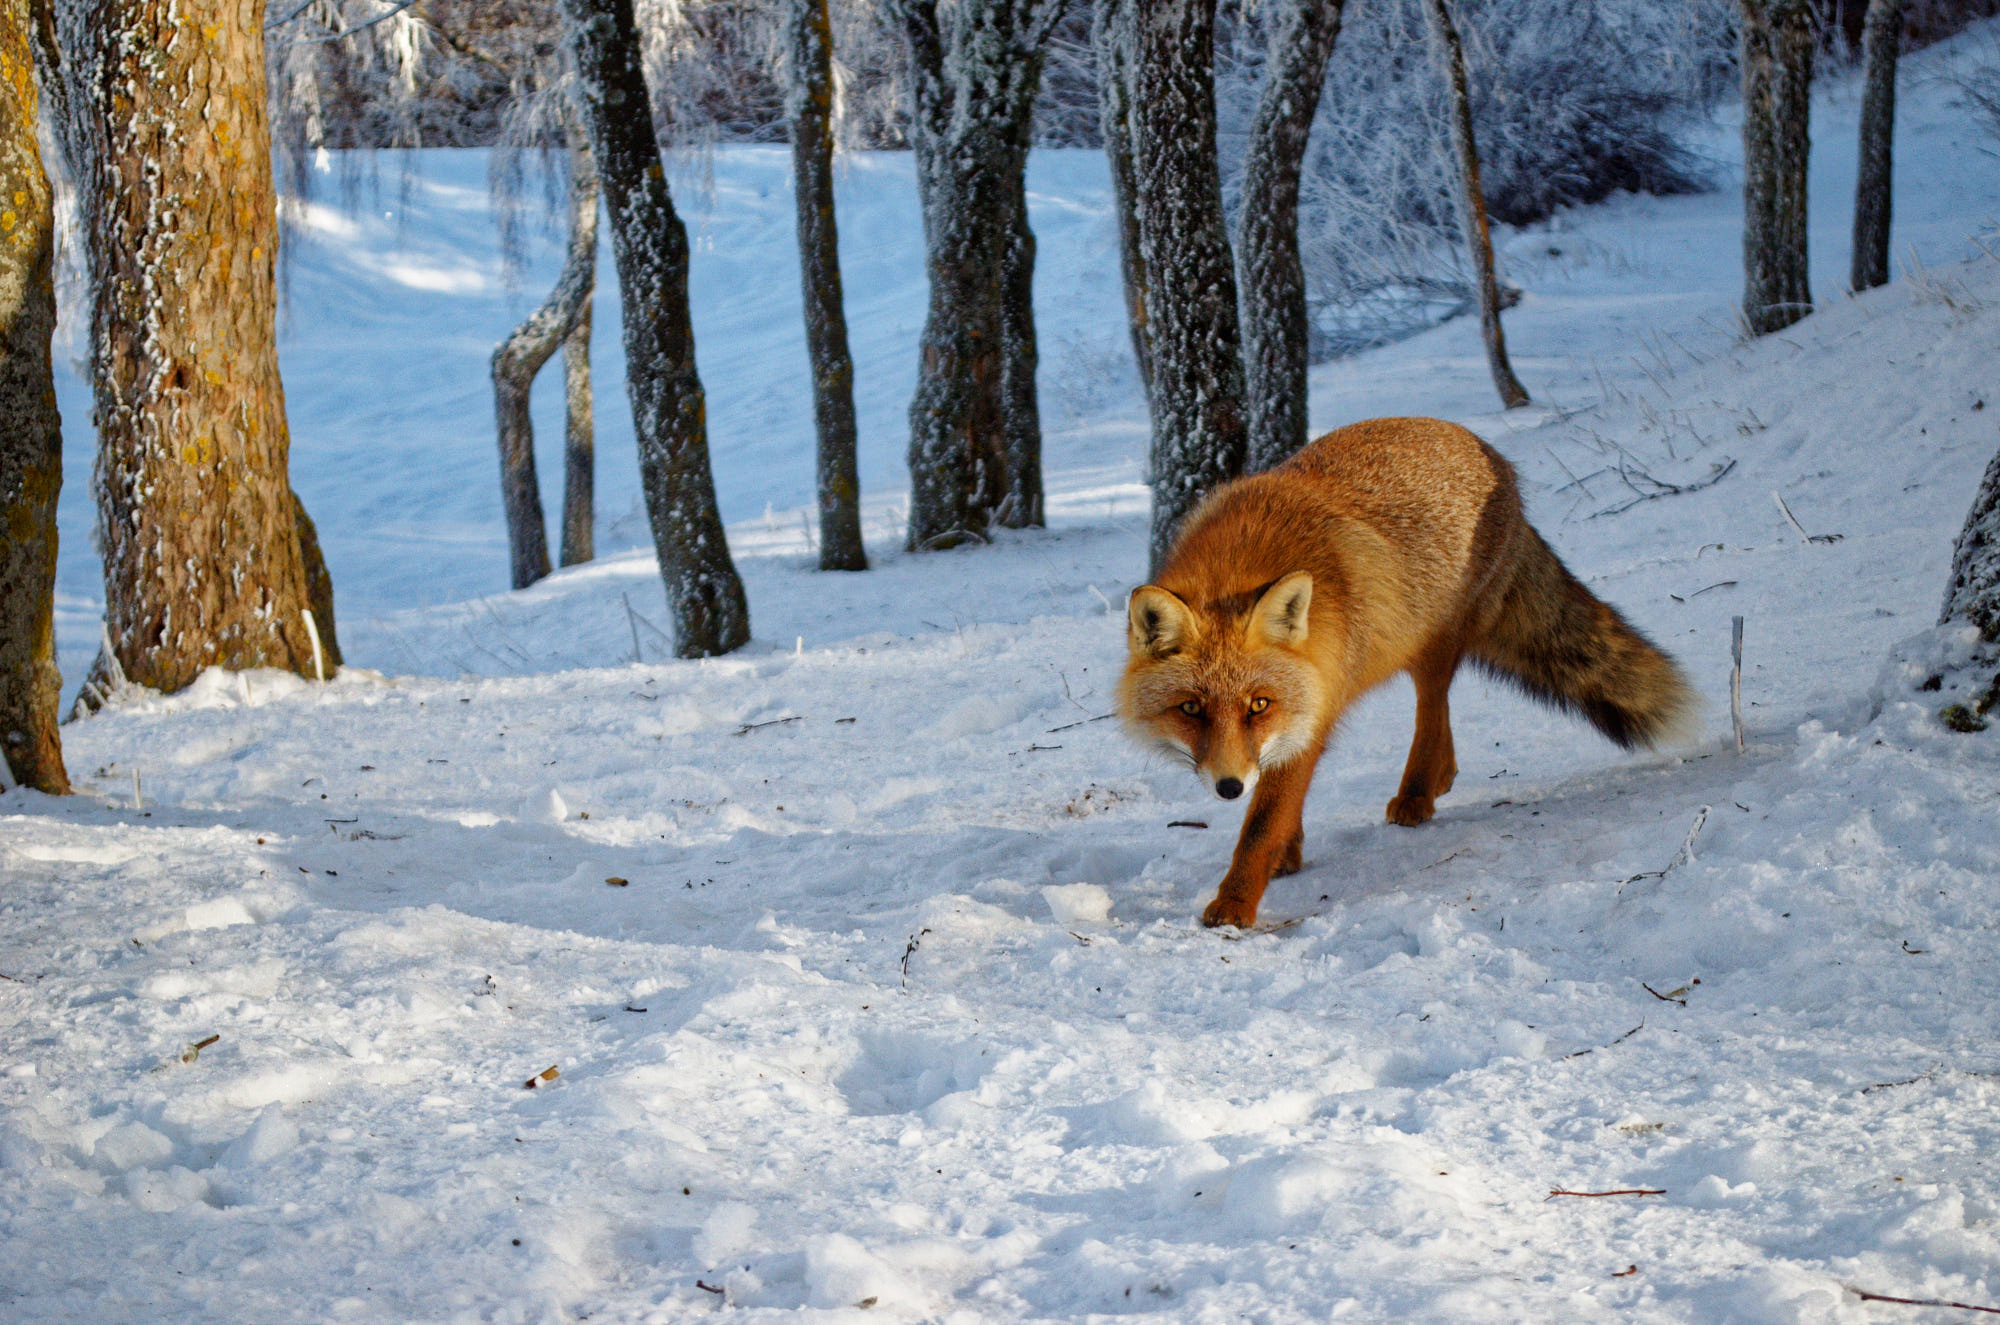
<point>30,431</point>
<point>1111,37</point>
<point>319,585</point>
<point>1973,592</point>
<point>1196,398</point>
<point>520,357</point>
<point>975,436</point>
<point>809,38</point>
<point>579,521</point>
<point>1272,278</point>
<point>1472,204</point>
<point>1775,54</point>
<point>1881,39</point>
<point>196,517</point>
<point>669,411</point>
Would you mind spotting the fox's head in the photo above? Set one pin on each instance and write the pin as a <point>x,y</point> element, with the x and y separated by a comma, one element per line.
<point>1228,688</point>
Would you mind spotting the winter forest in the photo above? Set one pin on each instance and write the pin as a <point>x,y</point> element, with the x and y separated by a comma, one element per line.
<point>565,573</point>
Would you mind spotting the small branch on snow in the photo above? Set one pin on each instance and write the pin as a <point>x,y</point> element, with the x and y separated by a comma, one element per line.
<point>1620,1040</point>
<point>1736,680</point>
<point>1186,823</point>
<point>1674,997</point>
<point>1622,1191</point>
<point>748,727</point>
<point>1794,520</point>
<point>1659,488</point>
<point>909,952</point>
<point>1866,1296</point>
<point>1080,722</point>
<point>549,1073</point>
<point>1681,857</point>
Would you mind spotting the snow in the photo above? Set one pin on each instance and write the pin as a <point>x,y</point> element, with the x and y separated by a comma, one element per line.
<point>866,958</point>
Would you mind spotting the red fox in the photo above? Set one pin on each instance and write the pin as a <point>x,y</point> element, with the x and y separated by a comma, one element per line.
<point>1396,545</point>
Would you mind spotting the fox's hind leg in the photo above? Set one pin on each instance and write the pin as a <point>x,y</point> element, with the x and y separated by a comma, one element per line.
<point>1433,765</point>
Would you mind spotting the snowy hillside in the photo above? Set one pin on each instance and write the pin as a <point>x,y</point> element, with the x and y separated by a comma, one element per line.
<point>866,959</point>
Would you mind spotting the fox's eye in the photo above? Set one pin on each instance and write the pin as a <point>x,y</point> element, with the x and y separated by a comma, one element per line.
<point>1191,707</point>
<point>1259,704</point>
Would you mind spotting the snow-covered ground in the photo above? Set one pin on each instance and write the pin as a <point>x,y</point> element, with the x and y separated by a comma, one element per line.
<point>866,959</point>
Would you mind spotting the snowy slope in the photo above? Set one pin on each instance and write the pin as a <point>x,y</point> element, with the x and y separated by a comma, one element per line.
<point>867,956</point>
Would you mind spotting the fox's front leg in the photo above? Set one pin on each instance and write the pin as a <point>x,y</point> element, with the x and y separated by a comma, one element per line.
<point>1270,843</point>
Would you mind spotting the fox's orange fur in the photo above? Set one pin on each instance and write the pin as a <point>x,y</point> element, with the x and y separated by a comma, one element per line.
<point>1396,545</point>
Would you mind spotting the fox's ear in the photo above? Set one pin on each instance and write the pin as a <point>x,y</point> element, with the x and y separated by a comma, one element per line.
<point>1280,614</point>
<point>1159,624</point>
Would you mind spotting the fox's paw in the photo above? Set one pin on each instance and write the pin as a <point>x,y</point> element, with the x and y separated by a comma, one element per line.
<point>1409,811</point>
<point>1229,911</point>
<point>1293,857</point>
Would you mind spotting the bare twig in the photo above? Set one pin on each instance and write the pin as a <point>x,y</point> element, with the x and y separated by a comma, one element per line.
<point>1664,998</point>
<point>1660,488</point>
<point>748,727</point>
<point>1736,680</point>
<point>1866,1296</point>
<point>1681,857</point>
<point>1622,1191</point>
<point>909,952</point>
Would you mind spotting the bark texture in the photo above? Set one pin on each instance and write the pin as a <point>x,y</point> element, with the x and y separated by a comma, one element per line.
<point>30,430</point>
<point>1273,280</point>
<point>1775,54</point>
<point>172,156</point>
<point>1881,41</point>
<point>669,411</point>
<point>579,522</point>
<point>1111,40</point>
<point>809,41</point>
<point>1472,203</point>
<point>1196,394</point>
<point>975,433</point>
<point>1973,592</point>
<point>518,359</point>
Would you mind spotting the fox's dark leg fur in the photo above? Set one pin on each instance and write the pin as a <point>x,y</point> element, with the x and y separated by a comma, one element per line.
<point>1557,641</point>
<point>1433,764</point>
<point>1271,838</point>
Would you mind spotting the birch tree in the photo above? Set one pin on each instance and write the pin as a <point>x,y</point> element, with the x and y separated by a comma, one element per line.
<point>1110,37</point>
<point>30,431</point>
<point>1881,39</point>
<point>200,530</point>
<point>1775,54</point>
<point>669,410</point>
<point>1273,282</point>
<point>809,105</point>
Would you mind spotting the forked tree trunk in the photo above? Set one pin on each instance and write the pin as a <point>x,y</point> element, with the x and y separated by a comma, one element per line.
<point>518,359</point>
<point>196,518</point>
<point>1775,53</point>
<point>1273,281</point>
<point>1111,39</point>
<point>30,431</point>
<point>1881,40</point>
<point>669,411</point>
<point>579,521</point>
<point>1196,398</point>
<point>1973,592</point>
<point>1472,204</point>
<point>975,439</point>
<point>809,103</point>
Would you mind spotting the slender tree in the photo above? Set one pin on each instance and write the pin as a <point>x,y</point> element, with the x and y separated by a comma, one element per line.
<point>1775,54</point>
<point>974,445</point>
<point>669,411</point>
<point>809,106</point>
<point>1272,279</point>
<point>579,520</point>
<point>1111,42</point>
<point>197,522</point>
<point>30,431</point>
<point>520,357</point>
<point>1881,40</point>
<point>1166,48</point>
<point>1472,203</point>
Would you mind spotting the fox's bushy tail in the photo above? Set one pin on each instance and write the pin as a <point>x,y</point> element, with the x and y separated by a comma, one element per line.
<point>1566,647</point>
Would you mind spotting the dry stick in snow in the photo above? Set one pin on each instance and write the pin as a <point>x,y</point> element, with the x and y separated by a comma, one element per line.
<point>1622,1191</point>
<point>1866,1296</point>
<point>1736,680</point>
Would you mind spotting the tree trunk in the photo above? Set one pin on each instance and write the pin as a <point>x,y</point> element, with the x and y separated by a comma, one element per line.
<point>1197,383</point>
<point>1273,280</point>
<point>1881,38</point>
<point>1973,592</point>
<point>196,517</point>
<point>1775,55</point>
<point>669,411</point>
<point>809,37</point>
<point>1472,204</point>
<point>520,357</point>
<point>579,524</point>
<point>975,435</point>
<point>319,585</point>
<point>1111,37</point>
<point>30,431</point>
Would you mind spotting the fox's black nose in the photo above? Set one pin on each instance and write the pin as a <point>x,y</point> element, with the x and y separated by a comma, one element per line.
<point>1229,788</point>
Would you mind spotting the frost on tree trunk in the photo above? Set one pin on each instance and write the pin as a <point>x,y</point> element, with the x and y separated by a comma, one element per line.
<point>975,436</point>
<point>30,431</point>
<point>1273,281</point>
<point>579,521</point>
<point>196,518</point>
<point>1472,203</point>
<point>809,104</point>
<point>1196,394</point>
<point>1775,54</point>
<point>521,356</point>
<point>1111,40</point>
<point>1973,593</point>
<point>669,412</point>
<point>1881,37</point>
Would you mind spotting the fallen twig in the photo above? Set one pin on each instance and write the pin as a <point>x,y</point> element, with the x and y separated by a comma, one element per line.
<point>1681,857</point>
<point>1622,1191</point>
<point>1664,998</point>
<point>193,1051</point>
<point>1867,1296</point>
<point>1078,723</point>
<point>1186,823</point>
<point>1620,1040</point>
<point>910,951</point>
<point>1660,488</point>
<point>749,727</point>
<point>549,1073</point>
<point>1810,538</point>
